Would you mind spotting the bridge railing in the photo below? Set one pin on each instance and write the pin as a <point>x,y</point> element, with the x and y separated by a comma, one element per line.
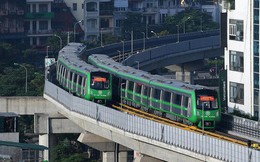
<point>140,127</point>
<point>175,49</point>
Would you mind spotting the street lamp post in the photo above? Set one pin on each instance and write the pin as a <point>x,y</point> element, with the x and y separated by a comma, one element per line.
<point>119,55</point>
<point>121,95</point>
<point>47,51</point>
<point>216,66</point>
<point>137,64</point>
<point>101,37</point>
<point>143,40</point>
<point>184,24</point>
<point>155,34</point>
<point>132,42</point>
<point>74,32</point>
<point>201,23</point>
<point>55,35</point>
<point>178,33</point>
<point>16,64</point>
<point>123,49</point>
<point>203,118</point>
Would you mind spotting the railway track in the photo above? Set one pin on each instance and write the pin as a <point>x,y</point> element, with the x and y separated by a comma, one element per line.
<point>215,134</point>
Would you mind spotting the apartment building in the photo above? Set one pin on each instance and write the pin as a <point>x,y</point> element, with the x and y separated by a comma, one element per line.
<point>38,21</point>
<point>11,20</point>
<point>106,16</point>
<point>242,56</point>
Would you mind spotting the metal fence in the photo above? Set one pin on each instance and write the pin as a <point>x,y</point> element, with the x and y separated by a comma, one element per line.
<point>172,136</point>
<point>240,125</point>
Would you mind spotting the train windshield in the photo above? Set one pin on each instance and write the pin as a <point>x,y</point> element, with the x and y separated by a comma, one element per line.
<point>207,99</point>
<point>100,81</point>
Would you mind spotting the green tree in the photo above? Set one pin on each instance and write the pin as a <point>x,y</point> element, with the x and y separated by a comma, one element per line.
<point>67,150</point>
<point>194,20</point>
<point>13,81</point>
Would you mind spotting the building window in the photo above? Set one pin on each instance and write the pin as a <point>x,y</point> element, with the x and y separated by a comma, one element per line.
<point>236,31</point>
<point>43,8</point>
<point>74,6</point>
<point>119,23</point>
<point>236,61</point>
<point>236,94</point>
<point>91,6</point>
<point>43,25</point>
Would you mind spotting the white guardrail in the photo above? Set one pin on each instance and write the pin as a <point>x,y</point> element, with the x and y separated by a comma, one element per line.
<point>191,141</point>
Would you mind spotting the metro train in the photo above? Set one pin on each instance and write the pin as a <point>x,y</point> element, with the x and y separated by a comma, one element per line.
<point>80,78</point>
<point>104,80</point>
<point>191,104</point>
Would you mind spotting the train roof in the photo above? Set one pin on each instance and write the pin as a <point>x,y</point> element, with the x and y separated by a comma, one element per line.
<point>107,63</point>
<point>70,56</point>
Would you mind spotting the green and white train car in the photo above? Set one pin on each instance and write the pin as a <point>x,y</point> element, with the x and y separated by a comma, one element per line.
<point>80,78</point>
<point>176,100</point>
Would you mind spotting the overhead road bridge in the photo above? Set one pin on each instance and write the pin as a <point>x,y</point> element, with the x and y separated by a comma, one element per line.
<point>138,44</point>
<point>177,53</point>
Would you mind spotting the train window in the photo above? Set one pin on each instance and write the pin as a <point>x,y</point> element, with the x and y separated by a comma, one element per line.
<point>123,84</point>
<point>100,80</point>
<point>185,101</point>
<point>130,86</point>
<point>82,85</point>
<point>80,79</point>
<point>138,88</point>
<point>67,73</point>
<point>85,87</point>
<point>166,96</point>
<point>176,99</point>
<point>71,76</point>
<point>144,90</point>
<point>156,94</point>
<point>75,78</point>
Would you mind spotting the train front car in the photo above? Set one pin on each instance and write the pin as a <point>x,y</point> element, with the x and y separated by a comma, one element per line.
<point>100,86</point>
<point>208,111</point>
<point>81,78</point>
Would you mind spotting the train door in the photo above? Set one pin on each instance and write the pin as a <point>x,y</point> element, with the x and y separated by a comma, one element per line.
<point>129,91</point>
<point>144,95</point>
<point>155,97</point>
<point>137,93</point>
<point>78,87</point>
<point>166,100</point>
<point>123,91</point>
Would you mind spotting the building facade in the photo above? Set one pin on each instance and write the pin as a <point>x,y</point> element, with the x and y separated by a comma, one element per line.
<point>12,20</point>
<point>38,21</point>
<point>106,16</point>
<point>242,56</point>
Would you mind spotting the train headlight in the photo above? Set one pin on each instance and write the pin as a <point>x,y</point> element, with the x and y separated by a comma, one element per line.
<point>91,92</point>
<point>108,93</point>
<point>217,113</point>
<point>198,113</point>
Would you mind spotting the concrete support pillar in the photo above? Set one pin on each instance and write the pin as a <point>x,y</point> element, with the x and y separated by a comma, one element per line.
<point>44,140</point>
<point>110,157</point>
<point>48,140</point>
<point>122,156</point>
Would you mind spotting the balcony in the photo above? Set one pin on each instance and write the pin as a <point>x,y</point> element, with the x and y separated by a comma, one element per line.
<point>3,12</point>
<point>11,30</point>
<point>20,12</point>
<point>151,10</point>
<point>105,12</point>
<point>40,15</point>
<point>39,32</point>
<point>12,12</point>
